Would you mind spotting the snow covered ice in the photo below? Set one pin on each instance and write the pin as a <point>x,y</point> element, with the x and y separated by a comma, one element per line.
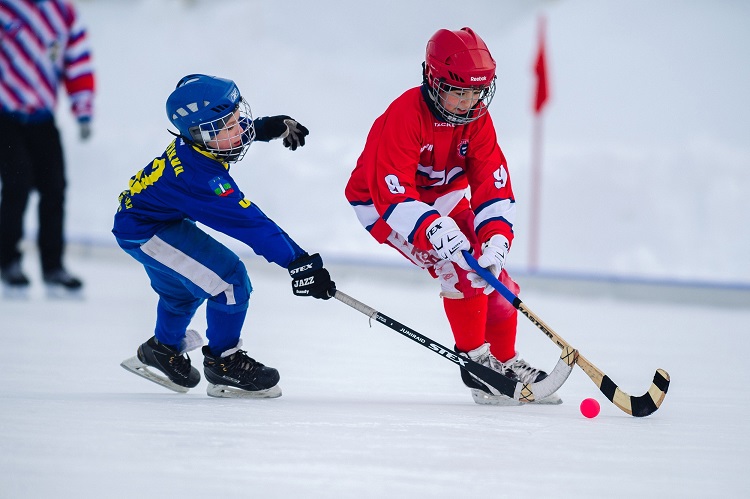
<point>646,174</point>
<point>365,412</point>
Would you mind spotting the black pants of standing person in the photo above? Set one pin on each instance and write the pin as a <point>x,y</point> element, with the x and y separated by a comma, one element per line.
<point>31,158</point>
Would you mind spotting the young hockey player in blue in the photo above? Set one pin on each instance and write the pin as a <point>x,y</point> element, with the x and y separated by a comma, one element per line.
<point>156,224</point>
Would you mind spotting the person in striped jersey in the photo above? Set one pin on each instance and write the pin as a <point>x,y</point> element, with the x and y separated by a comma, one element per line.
<point>43,46</point>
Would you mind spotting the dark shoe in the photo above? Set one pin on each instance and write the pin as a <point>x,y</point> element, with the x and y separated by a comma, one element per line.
<point>237,370</point>
<point>12,275</point>
<point>60,277</point>
<point>169,361</point>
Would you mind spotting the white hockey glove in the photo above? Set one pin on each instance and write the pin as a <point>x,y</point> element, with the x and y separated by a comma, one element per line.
<point>493,256</point>
<point>449,241</point>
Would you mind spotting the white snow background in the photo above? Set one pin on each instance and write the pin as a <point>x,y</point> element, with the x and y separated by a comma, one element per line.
<point>647,172</point>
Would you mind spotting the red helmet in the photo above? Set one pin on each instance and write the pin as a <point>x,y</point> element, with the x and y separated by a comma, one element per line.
<point>456,60</point>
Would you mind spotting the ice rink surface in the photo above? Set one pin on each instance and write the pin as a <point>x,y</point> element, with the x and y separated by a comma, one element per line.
<point>364,412</point>
<point>646,175</point>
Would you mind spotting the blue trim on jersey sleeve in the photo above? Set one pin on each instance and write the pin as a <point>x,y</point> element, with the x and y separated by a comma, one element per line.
<point>419,223</point>
<point>490,203</point>
<point>392,207</point>
<point>496,219</point>
<point>361,203</point>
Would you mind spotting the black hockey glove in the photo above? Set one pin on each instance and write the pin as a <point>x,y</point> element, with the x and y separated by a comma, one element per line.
<point>309,278</point>
<point>283,127</point>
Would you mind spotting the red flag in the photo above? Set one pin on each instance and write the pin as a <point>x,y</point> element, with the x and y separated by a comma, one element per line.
<point>540,69</point>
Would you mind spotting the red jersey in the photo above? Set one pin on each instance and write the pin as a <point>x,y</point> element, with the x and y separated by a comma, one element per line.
<point>415,168</point>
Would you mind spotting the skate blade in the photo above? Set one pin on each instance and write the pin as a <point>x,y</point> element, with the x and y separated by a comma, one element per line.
<point>483,398</point>
<point>552,399</point>
<point>57,292</point>
<point>15,292</point>
<point>135,366</point>
<point>224,391</point>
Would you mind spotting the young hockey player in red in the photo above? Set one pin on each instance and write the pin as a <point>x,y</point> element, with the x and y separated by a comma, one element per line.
<point>432,181</point>
<point>156,224</point>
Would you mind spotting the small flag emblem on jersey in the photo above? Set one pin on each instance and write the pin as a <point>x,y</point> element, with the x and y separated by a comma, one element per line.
<point>220,186</point>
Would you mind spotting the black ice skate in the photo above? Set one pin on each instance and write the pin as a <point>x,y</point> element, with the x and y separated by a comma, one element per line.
<point>234,374</point>
<point>15,282</point>
<point>180,375</point>
<point>60,284</point>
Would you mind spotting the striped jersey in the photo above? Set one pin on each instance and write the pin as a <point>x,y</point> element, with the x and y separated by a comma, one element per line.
<point>43,44</point>
<point>415,168</point>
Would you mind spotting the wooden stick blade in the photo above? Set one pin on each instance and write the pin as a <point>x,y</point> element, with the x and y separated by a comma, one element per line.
<point>642,406</point>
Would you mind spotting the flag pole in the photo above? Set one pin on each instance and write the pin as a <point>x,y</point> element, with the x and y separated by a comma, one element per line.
<point>536,193</point>
<point>542,89</point>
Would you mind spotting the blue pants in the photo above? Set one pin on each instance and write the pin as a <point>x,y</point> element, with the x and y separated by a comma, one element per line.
<point>187,267</point>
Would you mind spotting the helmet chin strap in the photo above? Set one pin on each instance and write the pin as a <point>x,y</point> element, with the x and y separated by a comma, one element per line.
<point>186,139</point>
<point>427,96</point>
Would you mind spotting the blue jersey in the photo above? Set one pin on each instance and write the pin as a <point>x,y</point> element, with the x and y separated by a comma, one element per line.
<point>188,183</point>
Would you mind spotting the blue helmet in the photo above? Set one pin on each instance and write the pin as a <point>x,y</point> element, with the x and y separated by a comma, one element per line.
<point>201,105</point>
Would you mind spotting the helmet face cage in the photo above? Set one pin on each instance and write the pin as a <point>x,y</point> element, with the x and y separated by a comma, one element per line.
<point>227,137</point>
<point>440,92</point>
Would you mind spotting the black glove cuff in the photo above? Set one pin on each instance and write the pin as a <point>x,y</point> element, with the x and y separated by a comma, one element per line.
<point>270,127</point>
<point>305,265</point>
